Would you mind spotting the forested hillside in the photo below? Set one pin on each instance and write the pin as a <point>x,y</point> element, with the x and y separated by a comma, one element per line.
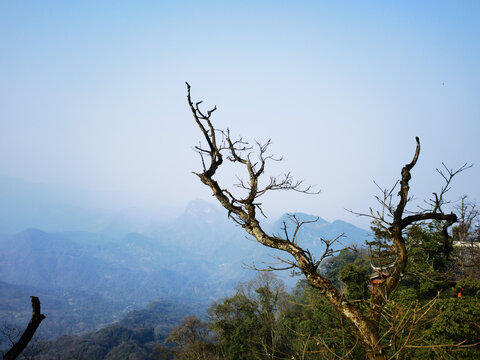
<point>138,335</point>
<point>87,280</point>
<point>431,316</point>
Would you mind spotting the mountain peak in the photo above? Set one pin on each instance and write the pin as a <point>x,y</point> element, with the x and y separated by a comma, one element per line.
<point>304,217</point>
<point>32,231</point>
<point>315,228</point>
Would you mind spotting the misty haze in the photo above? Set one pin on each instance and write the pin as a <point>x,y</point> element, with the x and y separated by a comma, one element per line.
<point>187,180</point>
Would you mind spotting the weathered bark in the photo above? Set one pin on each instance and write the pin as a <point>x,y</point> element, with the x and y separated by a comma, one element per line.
<point>367,330</point>
<point>243,212</point>
<point>395,231</point>
<point>21,344</point>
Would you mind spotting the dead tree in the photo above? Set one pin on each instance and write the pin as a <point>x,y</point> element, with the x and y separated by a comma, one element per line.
<point>244,209</point>
<point>21,344</point>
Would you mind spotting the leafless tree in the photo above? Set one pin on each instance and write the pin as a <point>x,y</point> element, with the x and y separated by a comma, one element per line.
<point>244,209</point>
<point>22,343</point>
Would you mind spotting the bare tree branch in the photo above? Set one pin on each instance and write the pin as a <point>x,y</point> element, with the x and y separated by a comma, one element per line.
<point>391,218</point>
<point>21,344</point>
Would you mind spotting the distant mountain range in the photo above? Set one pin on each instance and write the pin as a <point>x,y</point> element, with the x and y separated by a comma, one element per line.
<point>196,258</point>
<point>316,228</point>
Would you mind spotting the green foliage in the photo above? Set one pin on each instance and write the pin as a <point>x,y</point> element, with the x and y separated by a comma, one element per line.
<point>237,324</point>
<point>423,319</point>
<point>454,322</point>
<point>458,321</point>
<point>332,267</point>
<point>247,323</point>
<point>267,323</point>
<point>380,248</point>
<point>315,330</point>
<point>349,270</point>
<point>356,279</point>
<point>429,260</point>
<point>469,287</point>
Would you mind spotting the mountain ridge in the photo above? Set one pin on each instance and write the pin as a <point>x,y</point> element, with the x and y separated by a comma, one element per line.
<point>200,255</point>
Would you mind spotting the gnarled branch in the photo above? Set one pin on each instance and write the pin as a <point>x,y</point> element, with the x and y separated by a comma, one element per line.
<point>243,211</point>
<point>392,219</point>
<point>21,344</point>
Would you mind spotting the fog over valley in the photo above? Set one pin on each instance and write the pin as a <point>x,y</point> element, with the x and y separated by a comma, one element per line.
<point>246,180</point>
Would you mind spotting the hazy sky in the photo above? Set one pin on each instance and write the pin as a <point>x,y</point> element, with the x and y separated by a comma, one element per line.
<point>92,94</point>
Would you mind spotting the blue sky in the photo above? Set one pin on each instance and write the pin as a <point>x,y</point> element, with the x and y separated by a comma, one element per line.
<point>92,94</point>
